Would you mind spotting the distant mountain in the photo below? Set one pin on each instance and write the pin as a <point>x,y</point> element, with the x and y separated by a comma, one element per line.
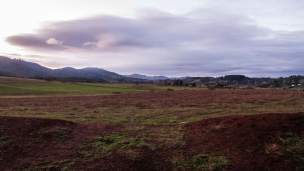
<point>17,67</point>
<point>87,72</point>
<point>153,77</point>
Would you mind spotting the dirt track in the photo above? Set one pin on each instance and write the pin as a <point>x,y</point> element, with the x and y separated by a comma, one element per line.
<point>241,139</point>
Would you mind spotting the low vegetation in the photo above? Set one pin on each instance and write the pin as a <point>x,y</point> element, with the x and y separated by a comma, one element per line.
<point>294,146</point>
<point>145,127</point>
<point>32,89</point>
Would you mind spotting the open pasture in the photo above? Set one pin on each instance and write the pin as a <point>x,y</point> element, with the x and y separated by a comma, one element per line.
<point>149,130</point>
<point>34,89</point>
<point>162,107</point>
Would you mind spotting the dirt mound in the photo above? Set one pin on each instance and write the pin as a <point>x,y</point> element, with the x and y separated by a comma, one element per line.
<point>25,142</point>
<point>246,139</point>
<point>256,142</point>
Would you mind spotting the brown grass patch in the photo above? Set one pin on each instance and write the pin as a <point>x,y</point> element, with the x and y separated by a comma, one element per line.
<point>219,127</point>
<point>273,149</point>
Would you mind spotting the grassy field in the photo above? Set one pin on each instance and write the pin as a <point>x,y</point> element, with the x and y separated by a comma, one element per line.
<point>30,89</point>
<point>146,123</point>
<point>145,107</point>
<point>138,103</point>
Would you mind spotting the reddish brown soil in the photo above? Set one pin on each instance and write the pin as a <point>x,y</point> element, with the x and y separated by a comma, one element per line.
<point>245,138</point>
<point>186,98</point>
<point>27,147</point>
<point>241,139</point>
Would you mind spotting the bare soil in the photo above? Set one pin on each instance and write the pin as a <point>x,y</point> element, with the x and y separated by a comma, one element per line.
<point>34,143</point>
<point>244,138</point>
<point>185,98</point>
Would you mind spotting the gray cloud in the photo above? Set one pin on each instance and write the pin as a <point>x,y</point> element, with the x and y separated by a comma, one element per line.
<point>33,42</point>
<point>11,54</point>
<point>203,42</point>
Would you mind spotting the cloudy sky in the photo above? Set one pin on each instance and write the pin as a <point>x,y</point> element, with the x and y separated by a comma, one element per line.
<point>160,37</point>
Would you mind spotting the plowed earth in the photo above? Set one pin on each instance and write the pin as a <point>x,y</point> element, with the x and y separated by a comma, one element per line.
<point>26,144</point>
<point>186,98</point>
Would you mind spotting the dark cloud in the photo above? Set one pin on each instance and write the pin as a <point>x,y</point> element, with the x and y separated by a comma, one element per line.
<point>33,42</point>
<point>202,42</point>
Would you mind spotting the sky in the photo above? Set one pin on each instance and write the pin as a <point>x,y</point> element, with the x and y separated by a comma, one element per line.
<point>160,37</point>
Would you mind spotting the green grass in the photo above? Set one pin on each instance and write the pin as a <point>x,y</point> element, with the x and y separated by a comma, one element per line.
<point>301,87</point>
<point>204,162</point>
<point>29,89</point>
<point>109,143</point>
<point>125,115</point>
<point>114,144</point>
<point>294,147</point>
<point>156,115</point>
<point>58,88</point>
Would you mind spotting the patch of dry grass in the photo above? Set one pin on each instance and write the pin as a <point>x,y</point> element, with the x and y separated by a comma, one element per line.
<point>155,107</point>
<point>219,127</point>
<point>273,149</point>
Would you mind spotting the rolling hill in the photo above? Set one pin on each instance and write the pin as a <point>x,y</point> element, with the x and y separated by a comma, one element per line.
<point>153,77</point>
<point>17,67</point>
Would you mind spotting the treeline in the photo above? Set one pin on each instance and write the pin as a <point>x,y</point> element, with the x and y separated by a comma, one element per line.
<point>234,80</point>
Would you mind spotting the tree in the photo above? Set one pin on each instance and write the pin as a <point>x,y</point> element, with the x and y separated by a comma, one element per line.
<point>193,84</point>
<point>220,85</point>
<point>178,82</point>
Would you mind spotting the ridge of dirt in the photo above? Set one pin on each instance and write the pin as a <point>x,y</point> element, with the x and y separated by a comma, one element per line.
<point>27,143</point>
<point>245,138</point>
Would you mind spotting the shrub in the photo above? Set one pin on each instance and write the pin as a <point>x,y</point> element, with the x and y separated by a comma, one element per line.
<point>219,85</point>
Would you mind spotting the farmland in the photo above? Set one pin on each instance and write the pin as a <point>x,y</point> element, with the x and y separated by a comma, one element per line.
<point>144,127</point>
<point>162,107</point>
<point>33,89</point>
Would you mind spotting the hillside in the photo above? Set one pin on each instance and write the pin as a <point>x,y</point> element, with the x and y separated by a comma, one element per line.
<point>154,77</point>
<point>17,67</point>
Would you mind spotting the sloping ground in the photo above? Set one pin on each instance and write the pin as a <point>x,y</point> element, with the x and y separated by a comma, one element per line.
<point>17,80</point>
<point>227,143</point>
<point>246,138</point>
<point>27,142</point>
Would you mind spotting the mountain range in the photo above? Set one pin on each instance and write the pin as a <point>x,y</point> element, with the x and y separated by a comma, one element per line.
<point>154,77</point>
<point>18,67</point>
